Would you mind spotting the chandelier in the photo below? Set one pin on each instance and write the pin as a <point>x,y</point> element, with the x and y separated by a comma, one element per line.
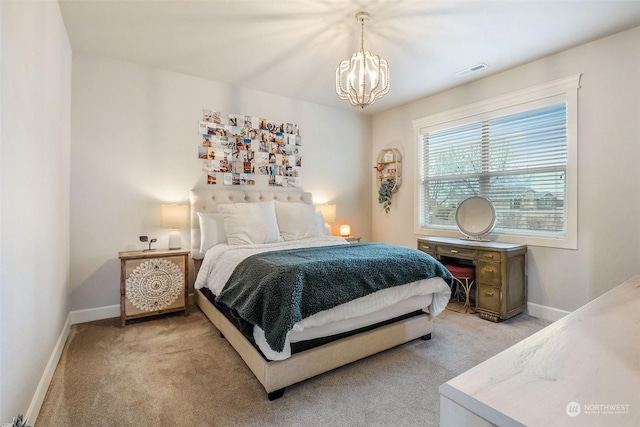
<point>365,77</point>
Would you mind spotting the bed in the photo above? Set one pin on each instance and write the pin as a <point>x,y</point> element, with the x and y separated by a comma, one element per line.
<point>230,228</point>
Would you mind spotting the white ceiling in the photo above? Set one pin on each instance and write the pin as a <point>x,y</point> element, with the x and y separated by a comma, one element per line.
<point>292,48</point>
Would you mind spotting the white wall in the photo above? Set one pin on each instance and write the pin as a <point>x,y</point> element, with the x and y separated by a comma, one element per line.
<point>34,209</point>
<point>608,173</point>
<point>134,146</point>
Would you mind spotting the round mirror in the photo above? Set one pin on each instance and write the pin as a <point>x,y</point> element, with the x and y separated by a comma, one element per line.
<point>475,217</point>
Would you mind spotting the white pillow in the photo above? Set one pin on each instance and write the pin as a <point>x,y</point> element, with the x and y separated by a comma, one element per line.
<point>321,225</point>
<point>297,220</point>
<point>250,223</point>
<point>211,230</point>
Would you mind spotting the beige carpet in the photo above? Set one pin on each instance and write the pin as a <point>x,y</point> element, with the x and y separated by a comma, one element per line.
<point>178,371</point>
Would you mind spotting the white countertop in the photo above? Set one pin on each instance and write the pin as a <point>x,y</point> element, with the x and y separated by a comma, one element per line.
<point>587,361</point>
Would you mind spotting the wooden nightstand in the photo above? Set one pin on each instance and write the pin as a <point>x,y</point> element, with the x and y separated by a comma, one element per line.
<point>153,282</point>
<point>352,239</point>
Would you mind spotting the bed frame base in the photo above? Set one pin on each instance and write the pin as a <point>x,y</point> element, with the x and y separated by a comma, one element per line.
<point>276,375</point>
<point>276,394</point>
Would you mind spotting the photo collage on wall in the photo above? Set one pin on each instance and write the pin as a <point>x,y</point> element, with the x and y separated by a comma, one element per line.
<point>241,147</point>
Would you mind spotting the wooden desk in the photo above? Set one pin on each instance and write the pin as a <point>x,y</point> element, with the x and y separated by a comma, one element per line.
<point>501,285</point>
<point>582,370</point>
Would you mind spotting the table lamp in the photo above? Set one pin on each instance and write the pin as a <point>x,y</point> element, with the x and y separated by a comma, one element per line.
<point>328,214</point>
<point>175,217</point>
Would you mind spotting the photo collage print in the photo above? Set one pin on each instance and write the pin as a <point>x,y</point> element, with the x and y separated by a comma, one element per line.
<point>242,147</point>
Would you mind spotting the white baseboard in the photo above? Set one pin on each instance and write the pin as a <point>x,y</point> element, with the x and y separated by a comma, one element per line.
<point>547,313</point>
<point>41,391</point>
<point>78,316</point>
<point>98,313</point>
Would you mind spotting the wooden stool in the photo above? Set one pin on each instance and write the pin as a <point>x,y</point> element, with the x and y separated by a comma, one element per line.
<point>464,276</point>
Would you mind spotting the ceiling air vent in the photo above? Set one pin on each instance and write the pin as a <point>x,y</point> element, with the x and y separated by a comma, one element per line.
<point>480,66</point>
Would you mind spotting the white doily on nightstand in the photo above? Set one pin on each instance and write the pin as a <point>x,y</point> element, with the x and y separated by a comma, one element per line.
<point>155,284</point>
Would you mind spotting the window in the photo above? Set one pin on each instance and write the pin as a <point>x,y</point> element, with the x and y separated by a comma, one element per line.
<point>519,151</point>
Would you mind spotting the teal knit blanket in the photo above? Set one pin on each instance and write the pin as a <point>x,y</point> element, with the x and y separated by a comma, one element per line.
<point>275,290</point>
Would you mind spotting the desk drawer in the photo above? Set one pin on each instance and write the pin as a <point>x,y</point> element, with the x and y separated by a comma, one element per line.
<point>456,252</point>
<point>489,298</point>
<point>427,247</point>
<point>489,255</point>
<point>488,273</point>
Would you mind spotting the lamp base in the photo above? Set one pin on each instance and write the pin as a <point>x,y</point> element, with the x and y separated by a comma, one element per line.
<point>175,240</point>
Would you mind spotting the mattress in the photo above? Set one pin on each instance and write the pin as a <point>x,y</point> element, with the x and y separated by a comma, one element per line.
<point>314,337</point>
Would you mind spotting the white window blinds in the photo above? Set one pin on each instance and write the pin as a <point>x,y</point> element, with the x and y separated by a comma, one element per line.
<point>518,161</point>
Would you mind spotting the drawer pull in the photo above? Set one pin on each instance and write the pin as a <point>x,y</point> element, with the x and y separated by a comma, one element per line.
<point>426,247</point>
<point>487,294</point>
<point>453,251</point>
<point>490,256</point>
<point>490,270</point>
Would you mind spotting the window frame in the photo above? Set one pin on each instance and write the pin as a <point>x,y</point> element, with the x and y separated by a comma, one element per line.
<point>561,90</point>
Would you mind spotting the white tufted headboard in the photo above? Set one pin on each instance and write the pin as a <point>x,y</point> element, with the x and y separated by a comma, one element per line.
<point>205,200</point>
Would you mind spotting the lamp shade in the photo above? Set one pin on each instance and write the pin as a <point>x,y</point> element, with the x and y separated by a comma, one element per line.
<point>174,216</point>
<point>345,230</point>
<point>328,212</point>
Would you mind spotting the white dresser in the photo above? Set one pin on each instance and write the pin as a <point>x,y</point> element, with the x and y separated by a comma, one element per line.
<point>583,370</point>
